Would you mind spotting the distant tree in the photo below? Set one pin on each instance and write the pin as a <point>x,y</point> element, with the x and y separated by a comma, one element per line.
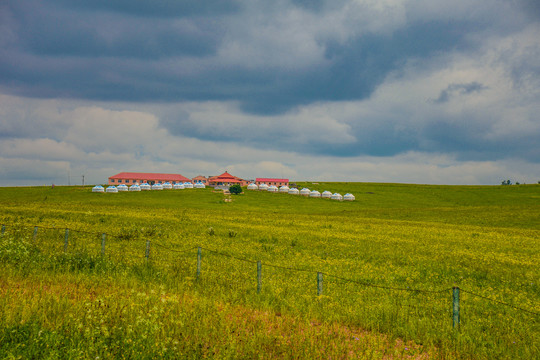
<point>235,189</point>
<point>506,182</point>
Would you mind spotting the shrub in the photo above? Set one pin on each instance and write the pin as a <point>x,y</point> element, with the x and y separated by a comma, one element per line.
<point>235,189</point>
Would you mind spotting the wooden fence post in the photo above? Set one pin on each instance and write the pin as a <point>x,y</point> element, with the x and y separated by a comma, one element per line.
<point>455,307</point>
<point>103,236</point>
<point>259,277</point>
<point>319,283</point>
<point>147,254</point>
<point>199,262</point>
<point>66,239</point>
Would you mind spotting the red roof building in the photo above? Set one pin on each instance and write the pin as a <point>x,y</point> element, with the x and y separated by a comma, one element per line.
<point>200,178</point>
<point>150,178</point>
<point>226,179</point>
<point>270,181</point>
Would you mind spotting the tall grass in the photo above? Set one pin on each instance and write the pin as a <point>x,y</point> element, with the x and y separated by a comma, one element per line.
<point>482,239</point>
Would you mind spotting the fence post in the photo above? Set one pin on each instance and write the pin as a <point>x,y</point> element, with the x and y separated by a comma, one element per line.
<point>455,306</point>
<point>147,254</point>
<point>103,236</point>
<point>3,229</point>
<point>66,239</point>
<point>259,277</point>
<point>35,233</point>
<point>319,283</point>
<point>198,262</point>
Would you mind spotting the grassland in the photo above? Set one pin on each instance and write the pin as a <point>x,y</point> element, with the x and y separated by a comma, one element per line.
<point>78,303</point>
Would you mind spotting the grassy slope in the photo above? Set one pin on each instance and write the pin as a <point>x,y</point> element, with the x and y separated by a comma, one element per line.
<point>485,239</point>
<point>494,206</point>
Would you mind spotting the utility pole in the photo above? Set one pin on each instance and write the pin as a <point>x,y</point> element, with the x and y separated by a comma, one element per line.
<point>83,180</point>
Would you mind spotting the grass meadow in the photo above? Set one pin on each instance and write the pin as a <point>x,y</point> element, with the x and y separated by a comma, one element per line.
<point>389,261</point>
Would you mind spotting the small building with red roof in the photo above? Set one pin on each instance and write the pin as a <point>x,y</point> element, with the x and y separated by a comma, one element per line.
<point>272,181</point>
<point>201,179</point>
<point>129,178</point>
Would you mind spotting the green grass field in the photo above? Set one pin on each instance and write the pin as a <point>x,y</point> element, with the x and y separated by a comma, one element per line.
<point>389,261</point>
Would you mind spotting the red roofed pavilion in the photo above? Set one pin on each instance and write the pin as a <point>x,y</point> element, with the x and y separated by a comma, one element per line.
<point>151,178</point>
<point>226,179</point>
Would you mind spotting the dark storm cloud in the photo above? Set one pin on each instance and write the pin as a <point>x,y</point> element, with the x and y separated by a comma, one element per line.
<point>313,5</point>
<point>525,68</point>
<point>532,8</point>
<point>46,31</point>
<point>158,8</point>
<point>356,67</point>
<point>71,50</point>
<point>467,137</point>
<point>458,89</point>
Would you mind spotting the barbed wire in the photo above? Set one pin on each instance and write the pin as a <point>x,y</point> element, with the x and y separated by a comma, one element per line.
<point>173,250</point>
<point>294,269</point>
<point>71,230</point>
<point>227,255</point>
<point>326,274</point>
<point>388,287</point>
<point>499,302</point>
<point>67,228</point>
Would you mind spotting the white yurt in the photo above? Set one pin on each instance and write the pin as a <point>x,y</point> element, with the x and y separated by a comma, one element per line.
<point>167,186</point>
<point>284,189</point>
<point>315,194</point>
<point>135,187</point>
<point>178,186</point>
<point>294,191</point>
<point>272,188</point>
<point>263,187</point>
<point>98,188</point>
<point>112,189</point>
<point>199,185</point>
<point>326,194</point>
<point>122,187</point>
<point>349,197</point>
<point>157,187</point>
<point>305,192</point>
<point>337,196</point>
<point>146,186</point>
<point>188,185</point>
<point>252,186</point>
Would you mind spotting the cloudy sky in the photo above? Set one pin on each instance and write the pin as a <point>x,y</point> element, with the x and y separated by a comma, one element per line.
<point>413,91</point>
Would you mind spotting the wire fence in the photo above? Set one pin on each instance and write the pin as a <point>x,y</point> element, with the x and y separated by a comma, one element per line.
<point>451,308</point>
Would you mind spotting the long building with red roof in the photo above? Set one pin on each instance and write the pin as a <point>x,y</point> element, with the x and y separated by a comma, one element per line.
<point>272,181</point>
<point>224,179</point>
<point>150,178</point>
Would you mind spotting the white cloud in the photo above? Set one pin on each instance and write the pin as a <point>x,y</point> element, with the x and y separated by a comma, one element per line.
<point>96,129</point>
<point>44,149</point>
<point>308,125</point>
<point>265,169</point>
<point>413,168</point>
<point>292,38</point>
<point>285,40</point>
<point>23,172</point>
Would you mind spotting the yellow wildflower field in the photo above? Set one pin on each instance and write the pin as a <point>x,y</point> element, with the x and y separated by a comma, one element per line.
<point>382,269</point>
